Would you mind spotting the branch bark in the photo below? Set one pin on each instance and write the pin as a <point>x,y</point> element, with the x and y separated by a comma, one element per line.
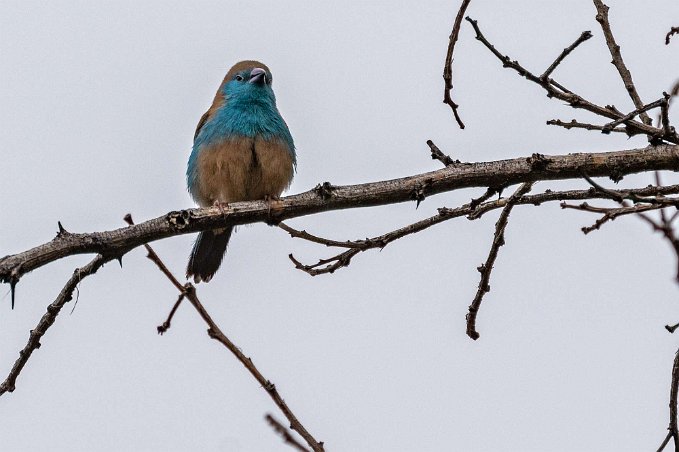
<point>115,243</point>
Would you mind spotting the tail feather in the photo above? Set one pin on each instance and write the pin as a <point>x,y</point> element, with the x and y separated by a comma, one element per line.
<point>207,254</point>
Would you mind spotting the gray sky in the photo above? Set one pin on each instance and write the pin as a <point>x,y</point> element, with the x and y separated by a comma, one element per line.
<point>98,104</point>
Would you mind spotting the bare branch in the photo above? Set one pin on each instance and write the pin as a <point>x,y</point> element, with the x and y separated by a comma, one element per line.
<point>48,319</point>
<point>582,38</point>
<point>610,214</point>
<point>573,124</point>
<point>673,431</point>
<point>117,242</point>
<point>639,111</point>
<point>437,154</point>
<point>614,48</point>
<point>216,333</point>
<point>663,117</point>
<point>664,226</point>
<point>296,234</point>
<point>448,66</point>
<point>188,291</point>
<point>162,329</point>
<point>558,91</point>
<point>473,210</point>
<point>665,114</point>
<point>486,268</point>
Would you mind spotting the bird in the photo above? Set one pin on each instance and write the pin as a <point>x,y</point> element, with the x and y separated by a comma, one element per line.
<point>242,151</point>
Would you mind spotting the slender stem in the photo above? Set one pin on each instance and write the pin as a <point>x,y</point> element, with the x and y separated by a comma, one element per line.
<point>448,66</point>
<point>486,268</point>
<point>48,319</point>
<point>614,48</point>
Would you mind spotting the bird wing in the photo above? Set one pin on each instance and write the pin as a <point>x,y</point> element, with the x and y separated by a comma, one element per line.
<point>201,123</point>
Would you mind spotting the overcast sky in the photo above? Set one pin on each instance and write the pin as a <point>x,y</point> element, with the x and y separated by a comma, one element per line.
<point>98,105</point>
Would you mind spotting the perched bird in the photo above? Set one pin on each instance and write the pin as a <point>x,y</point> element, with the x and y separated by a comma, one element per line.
<point>242,151</point>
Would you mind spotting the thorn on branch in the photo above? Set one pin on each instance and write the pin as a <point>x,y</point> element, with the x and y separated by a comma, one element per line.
<point>13,280</point>
<point>418,192</point>
<point>62,231</point>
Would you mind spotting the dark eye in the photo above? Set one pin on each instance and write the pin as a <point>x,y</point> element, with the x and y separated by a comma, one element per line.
<point>239,78</point>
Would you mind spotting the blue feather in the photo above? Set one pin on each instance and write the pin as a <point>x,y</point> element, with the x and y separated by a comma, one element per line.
<point>249,111</point>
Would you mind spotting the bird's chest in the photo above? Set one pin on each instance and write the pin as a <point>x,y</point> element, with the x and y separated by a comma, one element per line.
<point>243,168</point>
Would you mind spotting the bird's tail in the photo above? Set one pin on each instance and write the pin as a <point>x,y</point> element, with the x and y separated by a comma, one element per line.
<point>207,254</point>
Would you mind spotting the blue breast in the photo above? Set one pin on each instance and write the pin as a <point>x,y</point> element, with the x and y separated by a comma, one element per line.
<point>249,113</point>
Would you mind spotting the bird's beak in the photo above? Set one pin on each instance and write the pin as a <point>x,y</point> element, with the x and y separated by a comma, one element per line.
<point>258,76</point>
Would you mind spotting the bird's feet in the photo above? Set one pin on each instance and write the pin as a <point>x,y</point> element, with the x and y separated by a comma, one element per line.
<point>221,205</point>
<point>273,202</point>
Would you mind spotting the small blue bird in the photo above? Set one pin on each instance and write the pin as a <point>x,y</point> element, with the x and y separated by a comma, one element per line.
<point>242,151</point>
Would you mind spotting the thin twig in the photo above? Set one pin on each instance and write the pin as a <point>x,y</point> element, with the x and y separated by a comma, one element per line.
<point>668,36</point>
<point>639,111</point>
<point>665,115</point>
<point>582,38</point>
<point>154,257</point>
<point>558,91</point>
<point>666,229</point>
<point>491,191</point>
<point>673,431</point>
<point>621,195</point>
<point>297,234</point>
<point>215,333</point>
<point>486,268</point>
<point>610,214</point>
<point>188,291</point>
<point>473,210</point>
<point>437,154</point>
<point>284,433</point>
<point>48,319</point>
<point>614,48</point>
<point>162,329</point>
<point>448,66</point>
<point>573,124</point>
